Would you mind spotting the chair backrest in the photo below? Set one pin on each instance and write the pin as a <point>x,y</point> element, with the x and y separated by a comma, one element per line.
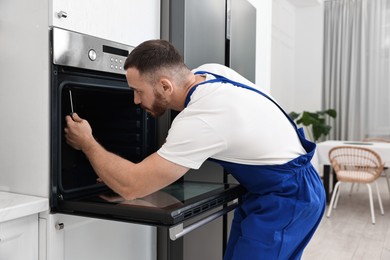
<point>376,140</point>
<point>355,164</point>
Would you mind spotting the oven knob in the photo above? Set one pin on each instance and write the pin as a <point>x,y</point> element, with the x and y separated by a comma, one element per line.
<point>92,54</point>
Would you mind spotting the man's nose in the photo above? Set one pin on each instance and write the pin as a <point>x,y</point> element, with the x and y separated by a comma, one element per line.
<point>137,100</point>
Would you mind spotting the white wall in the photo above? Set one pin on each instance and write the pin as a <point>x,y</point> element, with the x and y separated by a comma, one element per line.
<point>309,24</point>
<point>283,53</point>
<point>263,42</point>
<point>289,52</point>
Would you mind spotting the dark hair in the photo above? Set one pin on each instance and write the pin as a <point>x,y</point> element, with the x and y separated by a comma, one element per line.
<point>152,55</point>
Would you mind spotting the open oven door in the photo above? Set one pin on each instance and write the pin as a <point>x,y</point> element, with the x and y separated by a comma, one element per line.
<point>172,207</point>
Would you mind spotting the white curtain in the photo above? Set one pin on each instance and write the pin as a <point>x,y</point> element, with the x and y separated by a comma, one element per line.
<point>357,67</point>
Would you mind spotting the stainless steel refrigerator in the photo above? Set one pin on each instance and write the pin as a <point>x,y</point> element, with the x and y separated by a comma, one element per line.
<point>217,31</point>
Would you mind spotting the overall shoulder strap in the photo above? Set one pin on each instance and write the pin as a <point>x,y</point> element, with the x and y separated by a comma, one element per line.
<point>219,78</point>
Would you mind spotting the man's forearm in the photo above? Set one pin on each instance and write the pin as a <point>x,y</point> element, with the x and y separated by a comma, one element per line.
<point>112,169</point>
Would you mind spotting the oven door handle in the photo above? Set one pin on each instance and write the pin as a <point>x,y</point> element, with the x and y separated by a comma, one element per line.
<point>179,230</point>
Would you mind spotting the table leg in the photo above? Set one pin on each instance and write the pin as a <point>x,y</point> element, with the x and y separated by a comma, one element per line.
<point>326,181</point>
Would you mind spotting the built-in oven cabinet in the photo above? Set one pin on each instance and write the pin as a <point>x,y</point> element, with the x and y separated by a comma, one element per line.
<point>126,21</point>
<point>19,238</point>
<point>24,93</point>
<point>66,237</point>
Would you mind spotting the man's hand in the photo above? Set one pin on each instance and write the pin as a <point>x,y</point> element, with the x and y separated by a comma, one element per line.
<point>130,180</point>
<point>78,132</point>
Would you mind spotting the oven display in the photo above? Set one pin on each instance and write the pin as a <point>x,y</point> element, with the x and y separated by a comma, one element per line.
<point>116,51</point>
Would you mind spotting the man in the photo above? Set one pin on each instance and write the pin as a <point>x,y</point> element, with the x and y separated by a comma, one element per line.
<point>228,119</point>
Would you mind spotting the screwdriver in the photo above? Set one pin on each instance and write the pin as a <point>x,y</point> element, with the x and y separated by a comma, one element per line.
<point>71,104</point>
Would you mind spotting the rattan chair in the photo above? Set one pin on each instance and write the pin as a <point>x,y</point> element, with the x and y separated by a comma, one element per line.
<point>386,169</point>
<point>355,165</point>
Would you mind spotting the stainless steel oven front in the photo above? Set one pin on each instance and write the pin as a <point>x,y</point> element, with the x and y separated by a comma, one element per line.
<point>87,77</point>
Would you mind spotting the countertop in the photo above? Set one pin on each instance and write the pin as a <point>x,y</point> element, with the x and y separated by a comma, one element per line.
<point>13,205</point>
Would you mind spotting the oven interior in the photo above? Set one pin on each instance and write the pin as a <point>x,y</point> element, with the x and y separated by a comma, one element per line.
<point>117,124</point>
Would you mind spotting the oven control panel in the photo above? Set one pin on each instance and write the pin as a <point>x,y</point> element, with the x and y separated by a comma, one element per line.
<point>88,52</point>
<point>116,64</point>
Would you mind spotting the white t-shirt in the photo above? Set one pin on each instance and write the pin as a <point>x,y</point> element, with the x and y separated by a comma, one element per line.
<point>232,124</point>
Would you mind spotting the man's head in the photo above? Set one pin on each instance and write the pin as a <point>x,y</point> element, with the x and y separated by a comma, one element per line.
<point>153,69</point>
<point>152,56</point>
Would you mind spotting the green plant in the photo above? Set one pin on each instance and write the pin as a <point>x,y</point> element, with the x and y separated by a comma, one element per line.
<point>315,121</point>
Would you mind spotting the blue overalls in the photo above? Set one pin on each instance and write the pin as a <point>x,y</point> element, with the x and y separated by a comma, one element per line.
<point>283,206</point>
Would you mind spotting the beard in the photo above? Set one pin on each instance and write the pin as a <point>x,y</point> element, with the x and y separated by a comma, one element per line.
<point>158,107</point>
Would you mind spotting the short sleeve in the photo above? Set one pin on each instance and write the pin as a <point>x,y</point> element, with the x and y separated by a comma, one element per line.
<point>190,142</point>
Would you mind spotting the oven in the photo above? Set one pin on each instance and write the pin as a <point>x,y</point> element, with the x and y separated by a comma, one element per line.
<point>87,77</point>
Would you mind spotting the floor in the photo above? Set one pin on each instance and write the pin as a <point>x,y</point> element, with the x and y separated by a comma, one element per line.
<point>349,233</point>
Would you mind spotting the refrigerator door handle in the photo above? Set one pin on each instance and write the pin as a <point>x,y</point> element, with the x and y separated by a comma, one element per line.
<point>179,230</point>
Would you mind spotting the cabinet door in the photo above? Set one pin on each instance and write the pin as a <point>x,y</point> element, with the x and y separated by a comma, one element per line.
<point>69,237</point>
<point>19,239</point>
<point>243,41</point>
<point>125,21</point>
<point>197,29</point>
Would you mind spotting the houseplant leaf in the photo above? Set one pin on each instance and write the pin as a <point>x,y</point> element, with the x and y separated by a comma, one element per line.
<point>315,121</point>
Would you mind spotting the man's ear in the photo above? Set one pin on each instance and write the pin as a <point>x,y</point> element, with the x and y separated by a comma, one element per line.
<point>166,85</point>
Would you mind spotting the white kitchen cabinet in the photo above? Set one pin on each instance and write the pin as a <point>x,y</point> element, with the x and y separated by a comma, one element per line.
<point>125,21</point>
<point>19,238</point>
<point>66,237</point>
<point>25,106</point>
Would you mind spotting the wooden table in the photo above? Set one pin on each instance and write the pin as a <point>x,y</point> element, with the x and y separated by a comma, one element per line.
<point>323,148</point>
